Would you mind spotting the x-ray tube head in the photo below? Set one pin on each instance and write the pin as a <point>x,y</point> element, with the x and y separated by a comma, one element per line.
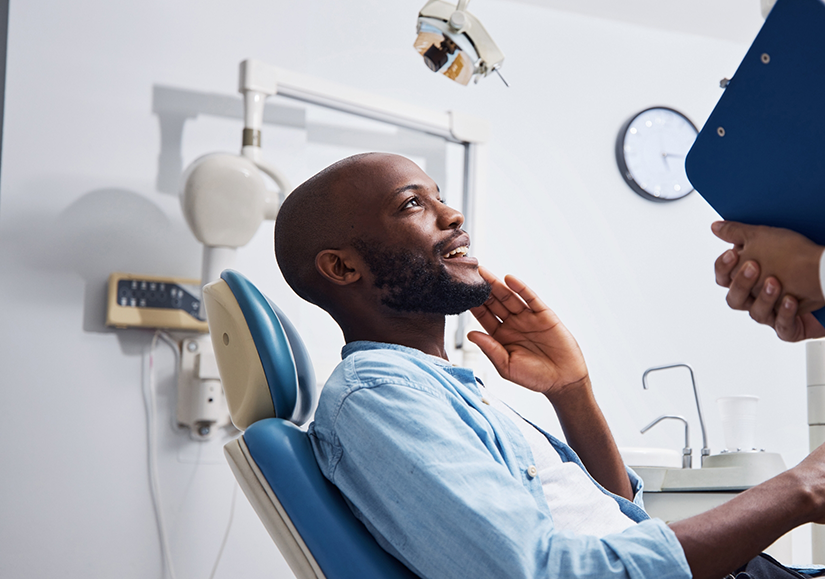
<point>453,42</point>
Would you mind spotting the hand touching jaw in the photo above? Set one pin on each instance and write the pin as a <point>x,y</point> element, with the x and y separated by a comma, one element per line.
<point>528,345</point>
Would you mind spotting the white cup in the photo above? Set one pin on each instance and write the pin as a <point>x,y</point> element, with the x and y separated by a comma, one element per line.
<point>738,421</point>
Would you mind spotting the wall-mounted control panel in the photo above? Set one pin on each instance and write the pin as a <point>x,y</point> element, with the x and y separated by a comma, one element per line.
<point>149,301</point>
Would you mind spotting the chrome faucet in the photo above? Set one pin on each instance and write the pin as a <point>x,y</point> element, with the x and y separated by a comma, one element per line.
<point>705,449</point>
<point>687,452</point>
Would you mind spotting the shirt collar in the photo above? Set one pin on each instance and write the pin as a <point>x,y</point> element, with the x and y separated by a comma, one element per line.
<point>363,345</point>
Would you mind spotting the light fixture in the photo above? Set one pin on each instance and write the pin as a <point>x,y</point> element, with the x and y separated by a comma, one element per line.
<point>454,43</point>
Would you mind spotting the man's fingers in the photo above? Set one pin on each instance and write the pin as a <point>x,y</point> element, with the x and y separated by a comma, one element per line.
<point>724,266</point>
<point>487,274</point>
<point>739,295</point>
<point>492,308</point>
<point>730,231</point>
<point>503,300</point>
<point>496,307</point>
<point>763,308</point>
<point>498,290</point>
<point>492,349</point>
<point>529,296</point>
<point>509,297</point>
<point>486,318</point>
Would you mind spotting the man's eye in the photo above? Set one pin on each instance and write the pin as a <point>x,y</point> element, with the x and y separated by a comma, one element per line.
<point>414,202</point>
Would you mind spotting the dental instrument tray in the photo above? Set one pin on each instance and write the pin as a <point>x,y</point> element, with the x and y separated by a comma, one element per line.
<point>760,158</point>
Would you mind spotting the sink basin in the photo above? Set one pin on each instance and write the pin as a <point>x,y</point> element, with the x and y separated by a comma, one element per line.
<point>730,471</point>
<point>654,457</point>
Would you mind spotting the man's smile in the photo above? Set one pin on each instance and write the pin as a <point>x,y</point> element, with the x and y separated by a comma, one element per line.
<point>456,248</point>
<point>460,251</point>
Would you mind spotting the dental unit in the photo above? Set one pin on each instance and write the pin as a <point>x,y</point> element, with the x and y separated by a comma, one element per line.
<point>674,493</point>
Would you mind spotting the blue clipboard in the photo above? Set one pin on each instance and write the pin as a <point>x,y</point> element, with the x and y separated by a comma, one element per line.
<point>760,158</point>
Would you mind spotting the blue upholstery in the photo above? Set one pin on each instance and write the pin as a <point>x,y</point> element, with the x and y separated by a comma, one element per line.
<point>340,543</point>
<point>291,384</point>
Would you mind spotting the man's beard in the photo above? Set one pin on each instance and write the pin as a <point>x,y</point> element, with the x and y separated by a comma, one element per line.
<point>413,283</point>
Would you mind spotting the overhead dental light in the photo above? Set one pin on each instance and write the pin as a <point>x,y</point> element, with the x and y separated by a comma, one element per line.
<point>454,43</point>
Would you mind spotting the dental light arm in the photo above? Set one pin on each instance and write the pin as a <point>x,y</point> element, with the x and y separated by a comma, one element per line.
<point>256,82</point>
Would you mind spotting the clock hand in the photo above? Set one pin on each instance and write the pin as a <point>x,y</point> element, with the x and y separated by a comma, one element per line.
<point>666,156</point>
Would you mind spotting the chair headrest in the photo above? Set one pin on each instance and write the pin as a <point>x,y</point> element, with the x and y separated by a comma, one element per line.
<point>265,368</point>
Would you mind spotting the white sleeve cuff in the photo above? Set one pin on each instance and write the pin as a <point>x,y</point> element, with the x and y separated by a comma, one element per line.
<point>822,273</point>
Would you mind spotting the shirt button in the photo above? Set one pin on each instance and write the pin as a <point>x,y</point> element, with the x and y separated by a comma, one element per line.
<point>487,402</point>
<point>532,471</point>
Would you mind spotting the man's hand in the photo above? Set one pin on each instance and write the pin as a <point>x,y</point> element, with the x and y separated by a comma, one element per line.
<point>527,343</point>
<point>791,258</point>
<point>768,306</point>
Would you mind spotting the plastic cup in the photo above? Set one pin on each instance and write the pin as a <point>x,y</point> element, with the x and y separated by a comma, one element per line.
<point>738,421</point>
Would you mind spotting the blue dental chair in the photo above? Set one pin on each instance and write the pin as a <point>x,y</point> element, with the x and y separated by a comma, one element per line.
<point>271,390</point>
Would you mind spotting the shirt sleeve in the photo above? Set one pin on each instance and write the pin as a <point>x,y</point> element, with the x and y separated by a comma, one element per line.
<point>426,485</point>
<point>637,484</point>
<point>822,273</point>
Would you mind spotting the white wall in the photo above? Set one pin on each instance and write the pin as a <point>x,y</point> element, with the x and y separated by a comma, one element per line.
<point>79,199</point>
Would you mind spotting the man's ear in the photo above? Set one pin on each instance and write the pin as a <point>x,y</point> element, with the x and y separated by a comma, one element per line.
<point>337,266</point>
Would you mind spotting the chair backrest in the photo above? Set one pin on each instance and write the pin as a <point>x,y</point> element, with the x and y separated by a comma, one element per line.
<point>271,390</point>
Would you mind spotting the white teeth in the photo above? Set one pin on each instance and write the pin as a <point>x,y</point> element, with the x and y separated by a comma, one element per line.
<point>463,250</point>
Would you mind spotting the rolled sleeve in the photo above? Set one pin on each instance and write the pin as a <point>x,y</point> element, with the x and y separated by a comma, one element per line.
<point>638,487</point>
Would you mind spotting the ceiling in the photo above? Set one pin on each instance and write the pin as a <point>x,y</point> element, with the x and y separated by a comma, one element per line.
<point>736,20</point>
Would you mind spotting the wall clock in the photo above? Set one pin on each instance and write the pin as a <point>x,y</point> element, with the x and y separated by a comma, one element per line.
<point>650,150</point>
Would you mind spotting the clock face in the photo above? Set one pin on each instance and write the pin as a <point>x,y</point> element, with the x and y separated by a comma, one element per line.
<point>651,150</point>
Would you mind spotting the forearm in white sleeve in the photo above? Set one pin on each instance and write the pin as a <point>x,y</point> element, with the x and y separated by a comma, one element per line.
<point>822,273</point>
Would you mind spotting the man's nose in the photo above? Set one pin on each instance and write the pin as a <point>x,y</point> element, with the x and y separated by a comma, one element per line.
<point>450,218</point>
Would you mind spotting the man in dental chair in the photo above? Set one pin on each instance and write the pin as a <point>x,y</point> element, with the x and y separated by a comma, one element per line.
<point>447,478</point>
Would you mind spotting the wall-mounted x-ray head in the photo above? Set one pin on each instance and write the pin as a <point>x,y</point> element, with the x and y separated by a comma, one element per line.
<point>454,43</point>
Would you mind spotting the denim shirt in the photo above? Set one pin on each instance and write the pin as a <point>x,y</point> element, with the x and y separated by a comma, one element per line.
<point>443,482</point>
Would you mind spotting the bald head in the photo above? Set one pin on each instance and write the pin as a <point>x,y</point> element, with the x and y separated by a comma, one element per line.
<point>322,213</point>
<point>308,222</point>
